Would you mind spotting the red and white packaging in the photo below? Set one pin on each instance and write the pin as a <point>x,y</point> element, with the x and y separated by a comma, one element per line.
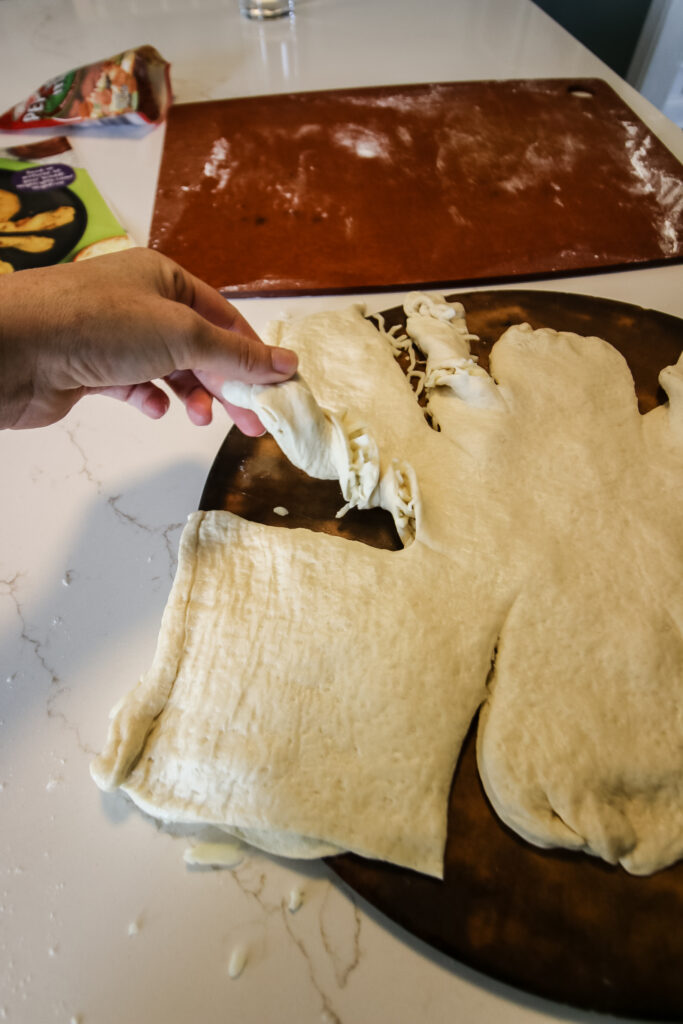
<point>133,87</point>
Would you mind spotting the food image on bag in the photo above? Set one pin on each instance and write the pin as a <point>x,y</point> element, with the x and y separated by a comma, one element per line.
<point>133,87</point>
<point>50,211</point>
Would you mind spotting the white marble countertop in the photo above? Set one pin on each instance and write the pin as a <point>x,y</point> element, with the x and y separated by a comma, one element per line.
<point>100,920</point>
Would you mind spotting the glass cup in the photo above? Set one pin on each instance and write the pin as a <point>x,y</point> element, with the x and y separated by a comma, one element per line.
<point>262,10</point>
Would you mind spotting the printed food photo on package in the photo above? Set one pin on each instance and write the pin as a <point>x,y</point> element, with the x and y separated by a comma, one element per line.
<point>50,211</point>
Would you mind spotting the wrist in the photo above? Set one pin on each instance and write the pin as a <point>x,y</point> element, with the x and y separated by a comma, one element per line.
<point>18,350</point>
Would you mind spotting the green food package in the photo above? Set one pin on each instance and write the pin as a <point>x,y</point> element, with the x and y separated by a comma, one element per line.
<point>50,211</point>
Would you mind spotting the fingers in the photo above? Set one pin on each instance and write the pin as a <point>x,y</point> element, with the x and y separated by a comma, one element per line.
<point>234,350</point>
<point>193,394</point>
<point>198,404</point>
<point>198,401</point>
<point>153,402</point>
<point>246,420</point>
<point>146,397</point>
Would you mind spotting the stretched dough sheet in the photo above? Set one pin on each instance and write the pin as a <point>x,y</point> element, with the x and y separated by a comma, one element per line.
<point>320,689</point>
<point>284,704</point>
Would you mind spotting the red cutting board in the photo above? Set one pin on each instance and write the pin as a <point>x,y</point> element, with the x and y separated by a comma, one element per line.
<point>400,186</point>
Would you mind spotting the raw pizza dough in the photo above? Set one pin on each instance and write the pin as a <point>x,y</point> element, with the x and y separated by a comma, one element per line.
<point>312,694</point>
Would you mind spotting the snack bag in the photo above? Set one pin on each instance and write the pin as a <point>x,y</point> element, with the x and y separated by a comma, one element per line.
<point>51,211</point>
<point>131,87</point>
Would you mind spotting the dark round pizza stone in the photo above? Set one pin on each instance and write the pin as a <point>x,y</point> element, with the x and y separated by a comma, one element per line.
<point>561,925</point>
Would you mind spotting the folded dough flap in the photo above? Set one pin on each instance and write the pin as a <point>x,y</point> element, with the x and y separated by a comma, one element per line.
<point>442,341</point>
<point>317,441</point>
<point>440,331</point>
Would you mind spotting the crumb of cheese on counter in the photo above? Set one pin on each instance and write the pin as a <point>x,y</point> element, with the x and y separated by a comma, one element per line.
<point>238,959</point>
<point>296,898</point>
<point>220,854</point>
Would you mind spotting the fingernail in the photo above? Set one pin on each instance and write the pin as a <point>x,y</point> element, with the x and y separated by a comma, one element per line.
<point>284,360</point>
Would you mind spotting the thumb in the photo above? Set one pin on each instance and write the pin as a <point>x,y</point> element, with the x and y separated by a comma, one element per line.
<point>236,356</point>
<point>250,361</point>
<point>230,348</point>
<point>245,359</point>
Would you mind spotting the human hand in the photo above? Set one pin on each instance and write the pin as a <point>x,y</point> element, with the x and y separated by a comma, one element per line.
<point>114,324</point>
